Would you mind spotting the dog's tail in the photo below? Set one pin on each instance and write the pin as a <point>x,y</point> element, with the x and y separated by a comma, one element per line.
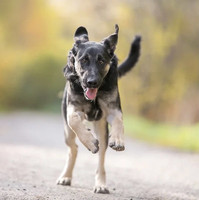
<point>132,58</point>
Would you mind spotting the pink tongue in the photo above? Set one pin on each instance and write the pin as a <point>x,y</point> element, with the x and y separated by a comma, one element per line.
<point>91,93</point>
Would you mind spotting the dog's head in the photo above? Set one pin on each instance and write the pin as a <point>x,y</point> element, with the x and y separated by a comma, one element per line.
<point>91,60</point>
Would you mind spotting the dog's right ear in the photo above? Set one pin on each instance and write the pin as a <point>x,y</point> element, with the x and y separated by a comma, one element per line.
<point>81,35</point>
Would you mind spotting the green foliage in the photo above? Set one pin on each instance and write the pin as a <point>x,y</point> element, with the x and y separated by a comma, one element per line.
<point>31,61</point>
<point>164,86</point>
<point>41,82</point>
<point>168,68</point>
<point>181,137</point>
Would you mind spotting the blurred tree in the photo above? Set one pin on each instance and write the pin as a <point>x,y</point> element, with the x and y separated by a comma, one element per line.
<point>29,31</point>
<point>169,63</point>
<point>41,82</point>
<point>35,36</point>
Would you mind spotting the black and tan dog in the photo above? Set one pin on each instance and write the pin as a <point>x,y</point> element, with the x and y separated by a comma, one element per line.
<point>91,93</point>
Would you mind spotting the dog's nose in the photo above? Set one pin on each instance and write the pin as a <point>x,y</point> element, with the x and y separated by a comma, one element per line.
<point>92,82</point>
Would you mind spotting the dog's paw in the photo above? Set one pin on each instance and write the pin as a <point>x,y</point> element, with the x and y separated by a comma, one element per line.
<point>101,189</point>
<point>116,144</point>
<point>64,181</point>
<point>93,146</point>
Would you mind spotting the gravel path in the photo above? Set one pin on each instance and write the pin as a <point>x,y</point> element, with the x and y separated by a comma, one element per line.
<point>32,155</point>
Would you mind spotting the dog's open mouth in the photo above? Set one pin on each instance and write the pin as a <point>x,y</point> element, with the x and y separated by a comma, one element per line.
<point>91,93</point>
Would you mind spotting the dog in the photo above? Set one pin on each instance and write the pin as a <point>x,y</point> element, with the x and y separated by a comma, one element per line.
<point>91,93</point>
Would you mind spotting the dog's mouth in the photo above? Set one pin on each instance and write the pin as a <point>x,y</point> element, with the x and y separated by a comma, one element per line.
<point>90,93</point>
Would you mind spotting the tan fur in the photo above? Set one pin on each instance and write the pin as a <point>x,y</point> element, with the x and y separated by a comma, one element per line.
<point>100,177</point>
<point>92,94</point>
<point>66,175</point>
<point>75,121</point>
<point>116,140</point>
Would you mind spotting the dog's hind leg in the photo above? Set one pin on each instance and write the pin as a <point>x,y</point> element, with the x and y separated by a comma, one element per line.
<point>101,131</point>
<point>66,175</point>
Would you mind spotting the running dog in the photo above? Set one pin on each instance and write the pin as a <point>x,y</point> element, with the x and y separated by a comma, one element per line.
<point>91,93</point>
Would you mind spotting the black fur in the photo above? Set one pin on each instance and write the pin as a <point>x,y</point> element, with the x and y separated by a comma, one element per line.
<point>77,82</point>
<point>132,58</point>
<point>91,93</point>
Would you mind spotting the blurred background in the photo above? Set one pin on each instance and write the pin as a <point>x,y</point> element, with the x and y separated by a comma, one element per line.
<point>160,96</point>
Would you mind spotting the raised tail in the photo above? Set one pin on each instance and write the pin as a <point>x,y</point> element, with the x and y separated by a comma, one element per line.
<point>132,58</point>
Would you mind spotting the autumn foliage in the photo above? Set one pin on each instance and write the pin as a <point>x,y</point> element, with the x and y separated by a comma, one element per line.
<point>36,35</point>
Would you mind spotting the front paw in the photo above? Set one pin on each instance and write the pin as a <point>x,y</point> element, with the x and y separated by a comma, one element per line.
<point>64,181</point>
<point>89,141</point>
<point>101,189</point>
<point>116,143</point>
<point>93,146</point>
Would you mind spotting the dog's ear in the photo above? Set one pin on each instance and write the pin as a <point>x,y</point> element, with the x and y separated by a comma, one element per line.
<point>111,41</point>
<point>69,69</point>
<point>81,35</point>
<point>70,63</point>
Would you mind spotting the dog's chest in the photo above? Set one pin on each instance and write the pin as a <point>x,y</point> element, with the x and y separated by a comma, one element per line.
<point>93,111</point>
<point>101,107</point>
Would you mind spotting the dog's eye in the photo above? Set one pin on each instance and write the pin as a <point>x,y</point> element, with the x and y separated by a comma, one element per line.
<point>101,61</point>
<point>84,60</point>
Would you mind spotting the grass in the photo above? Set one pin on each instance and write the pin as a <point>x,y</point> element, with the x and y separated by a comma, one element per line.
<point>180,137</point>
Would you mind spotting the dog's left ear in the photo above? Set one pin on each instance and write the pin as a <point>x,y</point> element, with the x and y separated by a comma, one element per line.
<point>111,41</point>
<point>81,35</point>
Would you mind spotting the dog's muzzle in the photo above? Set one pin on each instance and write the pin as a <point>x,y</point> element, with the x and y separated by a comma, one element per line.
<point>91,89</point>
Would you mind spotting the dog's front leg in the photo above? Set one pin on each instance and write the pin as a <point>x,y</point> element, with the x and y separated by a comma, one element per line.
<point>66,175</point>
<point>116,140</point>
<point>75,121</point>
<point>101,130</point>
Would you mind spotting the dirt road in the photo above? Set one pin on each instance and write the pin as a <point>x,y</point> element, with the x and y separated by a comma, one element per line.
<point>32,155</point>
